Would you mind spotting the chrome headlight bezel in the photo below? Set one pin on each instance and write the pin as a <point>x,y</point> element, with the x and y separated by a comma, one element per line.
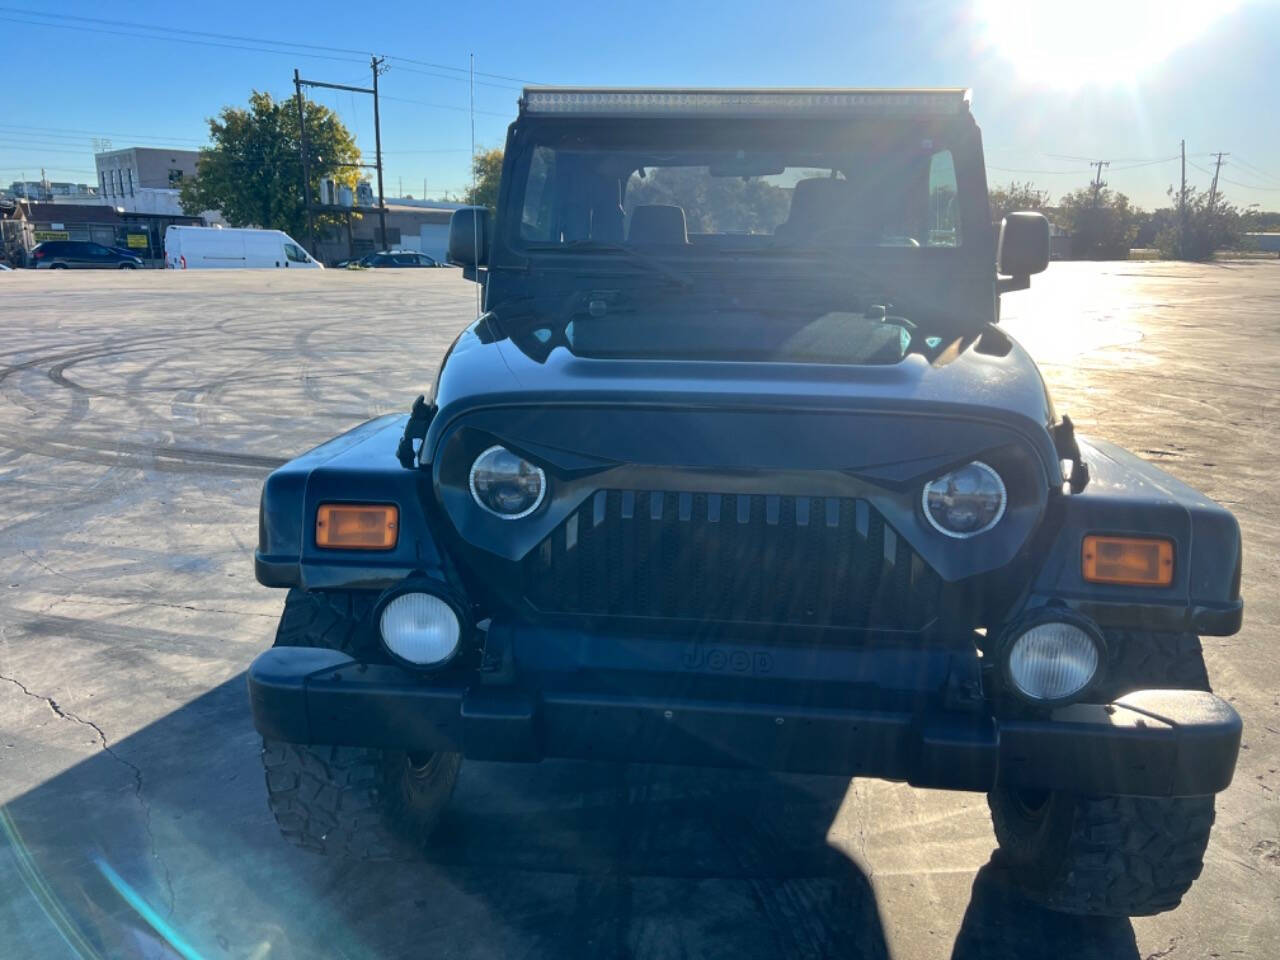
<point>989,472</point>
<point>476,497</point>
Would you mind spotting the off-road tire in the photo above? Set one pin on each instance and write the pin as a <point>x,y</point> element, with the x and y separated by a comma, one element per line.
<point>333,619</point>
<point>356,802</point>
<point>1112,856</point>
<point>1151,661</point>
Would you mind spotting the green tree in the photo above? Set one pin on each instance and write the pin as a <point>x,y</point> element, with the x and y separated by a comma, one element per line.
<point>253,170</point>
<point>1151,225</point>
<point>1102,223</point>
<point>1201,229</point>
<point>712,204</point>
<point>487,170</point>
<point>1016,196</point>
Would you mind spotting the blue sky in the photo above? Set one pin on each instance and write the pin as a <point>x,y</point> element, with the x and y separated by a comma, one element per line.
<point>1055,84</point>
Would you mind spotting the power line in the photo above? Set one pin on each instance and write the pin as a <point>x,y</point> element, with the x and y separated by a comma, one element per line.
<point>1134,166</point>
<point>1258,170</point>
<point>42,148</point>
<point>1236,183</point>
<point>56,169</point>
<point>56,20</point>
<point>1136,161</point>
<point>66,133</point>
<point>1249,186</point>
<point>1025,170</point>
<point>442,76</point>
<point>55,146</point>
<point>1146,163</point>
<point>441,106</point>
<point>152,36</point>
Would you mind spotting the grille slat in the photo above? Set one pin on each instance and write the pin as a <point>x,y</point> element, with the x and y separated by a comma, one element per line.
<point>821,561</point>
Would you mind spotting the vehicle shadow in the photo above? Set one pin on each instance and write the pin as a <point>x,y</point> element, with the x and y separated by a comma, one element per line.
<point>999,922</point>
<point>163,847</point>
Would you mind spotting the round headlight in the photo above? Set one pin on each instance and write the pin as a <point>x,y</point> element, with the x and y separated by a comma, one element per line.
<point>506,484</point>
<point>420,628</point>
<point>965,502</point>
<point>1052,661</point>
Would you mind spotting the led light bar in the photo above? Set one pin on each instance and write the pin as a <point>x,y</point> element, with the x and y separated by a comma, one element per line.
<point>579,101</point>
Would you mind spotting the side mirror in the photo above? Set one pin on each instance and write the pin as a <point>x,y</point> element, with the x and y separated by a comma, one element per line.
<point>1023,248</point>
<point>469,237</point>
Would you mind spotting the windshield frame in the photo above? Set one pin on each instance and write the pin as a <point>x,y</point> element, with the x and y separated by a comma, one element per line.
<point>959,134</point>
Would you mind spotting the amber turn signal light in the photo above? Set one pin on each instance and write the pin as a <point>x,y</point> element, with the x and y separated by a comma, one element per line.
<point>1132,561</point>
<point>357,526</point>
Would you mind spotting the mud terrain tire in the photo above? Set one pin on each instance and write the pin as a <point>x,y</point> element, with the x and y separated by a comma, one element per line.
<point>1112,856</point>
<point>355,802</point>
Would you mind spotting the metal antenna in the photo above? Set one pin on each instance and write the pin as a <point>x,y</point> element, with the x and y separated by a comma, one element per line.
<point>475,219</point>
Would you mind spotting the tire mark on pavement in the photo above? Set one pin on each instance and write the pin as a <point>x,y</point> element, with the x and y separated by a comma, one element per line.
<point>141,455</point>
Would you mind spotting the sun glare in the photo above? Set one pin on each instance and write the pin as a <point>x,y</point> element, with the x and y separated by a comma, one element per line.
<point>1092,42</point>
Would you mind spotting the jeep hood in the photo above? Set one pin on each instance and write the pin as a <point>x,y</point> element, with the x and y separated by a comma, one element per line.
<point>986,378</point>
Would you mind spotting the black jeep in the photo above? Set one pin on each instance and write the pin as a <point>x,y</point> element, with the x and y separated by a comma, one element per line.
<point>736,467</point>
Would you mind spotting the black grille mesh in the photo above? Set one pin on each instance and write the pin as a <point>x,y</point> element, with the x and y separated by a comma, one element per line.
<point>823,561</point>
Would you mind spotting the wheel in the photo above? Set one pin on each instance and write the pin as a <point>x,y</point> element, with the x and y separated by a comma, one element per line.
<point>58,266</point>
<point>1151,661</point>
<point>1111,856</point>
<point>356,802</point>
<point>128,266</point>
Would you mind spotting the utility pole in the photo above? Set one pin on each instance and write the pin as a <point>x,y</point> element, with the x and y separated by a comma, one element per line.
<point>1213,188</point>
<point>306,164</point>
<point>1097,181</point>
<point>376,64</point>
<point>1182,205</point>
<point>299,83</point>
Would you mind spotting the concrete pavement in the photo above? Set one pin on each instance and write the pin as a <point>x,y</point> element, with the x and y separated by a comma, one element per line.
<point>139,413</point>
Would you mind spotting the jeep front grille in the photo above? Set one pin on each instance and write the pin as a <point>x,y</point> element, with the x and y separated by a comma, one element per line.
<point>821,561</point>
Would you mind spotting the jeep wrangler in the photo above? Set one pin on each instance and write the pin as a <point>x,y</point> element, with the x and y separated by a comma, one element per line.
<point>736,467</point>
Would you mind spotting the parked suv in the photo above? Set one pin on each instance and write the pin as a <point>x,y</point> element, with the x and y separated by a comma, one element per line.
<point>81,255</point>
<point>737,467</point>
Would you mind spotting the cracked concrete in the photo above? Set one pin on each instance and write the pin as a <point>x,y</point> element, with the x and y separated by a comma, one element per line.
<point>128,498</point>
<point>133,768</point>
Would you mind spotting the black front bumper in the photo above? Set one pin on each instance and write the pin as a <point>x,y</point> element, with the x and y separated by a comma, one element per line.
<point>1151,743</point>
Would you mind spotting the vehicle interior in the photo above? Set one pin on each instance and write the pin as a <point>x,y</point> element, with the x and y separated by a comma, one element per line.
<point>742,199</point>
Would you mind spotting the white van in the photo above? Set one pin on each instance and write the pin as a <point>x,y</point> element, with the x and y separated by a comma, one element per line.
<point>191,248</point>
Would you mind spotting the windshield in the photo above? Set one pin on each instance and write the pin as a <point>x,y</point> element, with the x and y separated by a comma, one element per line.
<point>746,191</point>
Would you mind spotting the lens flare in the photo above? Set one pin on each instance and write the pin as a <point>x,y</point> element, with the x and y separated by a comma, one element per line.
<point>1092,42</point>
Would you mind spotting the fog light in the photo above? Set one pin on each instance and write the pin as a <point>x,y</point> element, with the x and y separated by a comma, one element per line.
<point>420,629</point>
<point>1053,661</point>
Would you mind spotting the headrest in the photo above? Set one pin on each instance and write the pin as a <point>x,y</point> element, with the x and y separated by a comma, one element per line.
<point>820,198</point>
<point>657,223</point>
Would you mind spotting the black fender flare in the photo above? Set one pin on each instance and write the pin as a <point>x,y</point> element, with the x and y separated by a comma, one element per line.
<point>359,466</point>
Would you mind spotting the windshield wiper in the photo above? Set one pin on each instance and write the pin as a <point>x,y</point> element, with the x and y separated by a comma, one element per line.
<point>653,263</point>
